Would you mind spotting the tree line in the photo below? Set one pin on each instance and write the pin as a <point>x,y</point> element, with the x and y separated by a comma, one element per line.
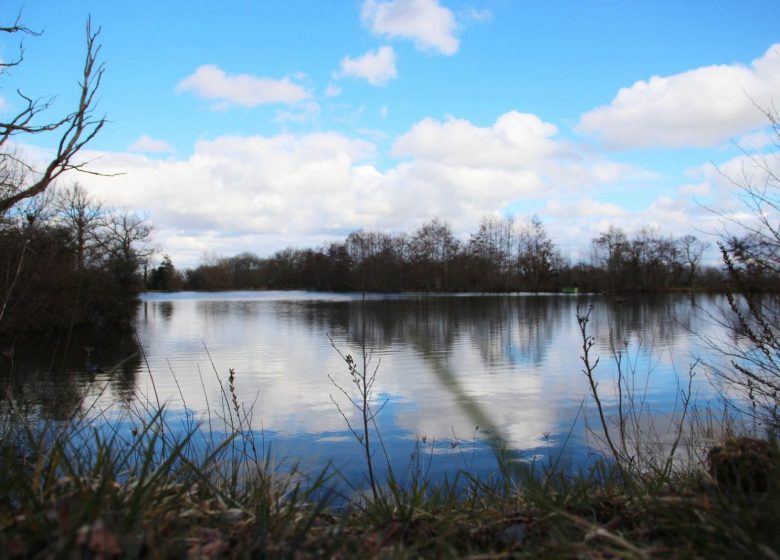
<point>503,254</point>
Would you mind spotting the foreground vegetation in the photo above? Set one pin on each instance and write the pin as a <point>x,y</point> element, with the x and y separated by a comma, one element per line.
<point>129,488</point>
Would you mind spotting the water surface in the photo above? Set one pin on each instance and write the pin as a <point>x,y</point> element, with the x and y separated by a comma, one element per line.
<point>463,378</point>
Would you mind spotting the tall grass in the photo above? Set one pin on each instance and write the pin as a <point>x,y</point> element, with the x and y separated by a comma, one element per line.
<point>134,484</point>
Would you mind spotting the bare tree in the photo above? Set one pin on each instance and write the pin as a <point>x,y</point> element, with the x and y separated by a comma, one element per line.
<point>610,252</point>
<point>432,247</point>
<point>125,240</point>
<point>691,251</point>
<point>20,179</point>
<point>535,252</point>
<point>754,242</point>
<point>16,27</point>
<point>123,230</point>
<point>491,244</point>
<point>82,215</point>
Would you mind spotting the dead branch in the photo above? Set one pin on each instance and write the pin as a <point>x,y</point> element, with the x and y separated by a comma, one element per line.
<point>77,129</point>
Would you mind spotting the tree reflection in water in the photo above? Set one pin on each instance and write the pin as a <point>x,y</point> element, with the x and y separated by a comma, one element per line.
<point>53,377</point>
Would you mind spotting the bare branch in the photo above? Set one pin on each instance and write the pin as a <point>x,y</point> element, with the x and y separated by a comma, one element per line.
<point>17,27</point>
<point>77,129</point>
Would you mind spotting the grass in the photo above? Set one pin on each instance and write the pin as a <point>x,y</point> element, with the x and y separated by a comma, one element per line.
<point>94,490</point>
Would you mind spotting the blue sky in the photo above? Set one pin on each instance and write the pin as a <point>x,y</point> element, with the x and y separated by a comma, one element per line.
<point>257,125</point>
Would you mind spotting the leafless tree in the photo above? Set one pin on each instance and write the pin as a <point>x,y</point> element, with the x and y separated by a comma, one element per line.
<point>535,253</point>
<point>491,245</point>
<point>82,215</point>
<point>691,250</point>
<point>432,247</point>
<point>21,179</point>
<point>125,238</point>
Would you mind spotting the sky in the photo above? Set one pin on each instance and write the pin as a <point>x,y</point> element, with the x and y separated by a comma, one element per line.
<point>254,126</point>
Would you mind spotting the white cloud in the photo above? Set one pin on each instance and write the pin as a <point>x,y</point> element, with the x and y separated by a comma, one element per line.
<point>730,185</point>
<point>267,191</point>
<point>574,223</point>
<point>426,22</point>
<point>3,104</point>
<point>308,113</point>
<point>756,140</point>
<point>584,208</point>
<point>245,90</point>
<point>515,140</point>
<point>332,90</point>
<point>677,216</point>
<point>701,107</point>
<point>148,144</point>
<point>257,193</point>
<point>377,67</point>
<point>695,189</point>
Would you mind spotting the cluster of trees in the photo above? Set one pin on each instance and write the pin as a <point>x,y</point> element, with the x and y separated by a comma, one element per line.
<point>648,261</point>
<point>500,256</point>
<point>69,261</point>
<point>65,260</point>
<point>504,254</point>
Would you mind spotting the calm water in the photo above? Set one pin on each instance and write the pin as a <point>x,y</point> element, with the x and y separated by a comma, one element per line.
<point>463,376</point>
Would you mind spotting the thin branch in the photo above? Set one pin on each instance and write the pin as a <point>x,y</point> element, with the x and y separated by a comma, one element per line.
<point>587,344</point>
<point>78,128</point>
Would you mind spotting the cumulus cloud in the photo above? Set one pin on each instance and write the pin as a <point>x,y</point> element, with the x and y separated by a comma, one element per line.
<point>245,90</point>
<point>514,140</point>
<point>427,23</point>
<point>267,189</point>
<point>377,67</point>
<point>701,107</point>
<point>147,144</point>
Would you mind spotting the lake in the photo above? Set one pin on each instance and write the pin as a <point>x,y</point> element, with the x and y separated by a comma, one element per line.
<point>462,379</point>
